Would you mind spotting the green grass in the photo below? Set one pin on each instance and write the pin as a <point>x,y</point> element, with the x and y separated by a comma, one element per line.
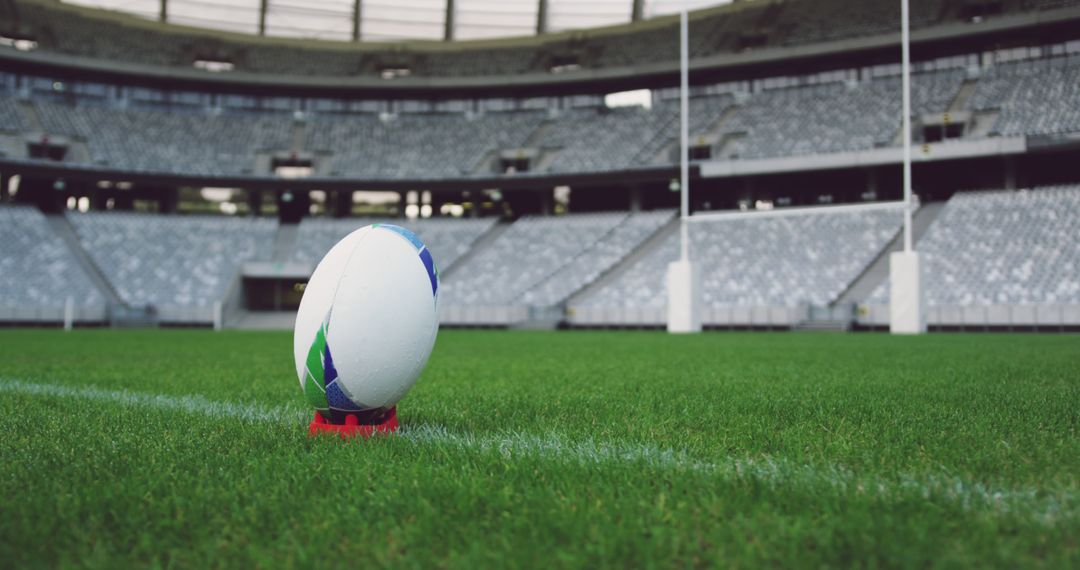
<point>548,450</point>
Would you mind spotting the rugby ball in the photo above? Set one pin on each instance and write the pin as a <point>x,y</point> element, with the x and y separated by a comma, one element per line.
<point>367,323</point>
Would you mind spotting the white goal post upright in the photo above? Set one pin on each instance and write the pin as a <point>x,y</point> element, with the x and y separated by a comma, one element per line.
<point>683,279</point>
<point>907,312</point>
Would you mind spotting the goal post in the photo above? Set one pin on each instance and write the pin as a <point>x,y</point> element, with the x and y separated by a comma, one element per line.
<point>683,278</point>
<point>907,307</point>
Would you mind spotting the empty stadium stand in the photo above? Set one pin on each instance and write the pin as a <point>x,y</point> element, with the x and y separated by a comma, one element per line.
<point>74,31</point>
<point>186,142</point>
<point>448,239</point>
<point>751,261</point>
<point>833,117</point>
<point>756,128</point>
<point>1033,97</point>
<point>181,265</point>
<point>790,121</point>
<point>38,272</point>
<point>1002,248</point>
<point>533,249</point>
<point>593,262</point>
<point>416,146</point>
<point>11,117</point>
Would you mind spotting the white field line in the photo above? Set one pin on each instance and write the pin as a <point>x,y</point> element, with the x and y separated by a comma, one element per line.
<point>1047,507</point>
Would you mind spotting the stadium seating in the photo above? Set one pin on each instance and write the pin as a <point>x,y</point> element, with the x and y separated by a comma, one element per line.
<point>62,30</point>
<point>1034,97</point>
<point>11,119</point>
<point>822,20</point>
<point>448,239</point>
<point>755,261</point>
<point>591,263</point>
<point>833,117</point>
<point>185,142</point>
<point>417,146</point>
<point>36,267</point>
<point>531,250</point>
<point>172,260</point>
<point>593,140</point>
<point>775,122</point>
<point>1002,248</point>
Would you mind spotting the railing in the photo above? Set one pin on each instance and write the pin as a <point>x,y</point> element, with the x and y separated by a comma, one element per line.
<point>760,316</point>
<point>483,315</point>
<point>842,312</point>
<point>52,314</point>
<point>983,315</point>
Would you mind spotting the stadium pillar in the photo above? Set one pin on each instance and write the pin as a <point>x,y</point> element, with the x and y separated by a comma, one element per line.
<point>254,200</point>
<point>263,5</point>
<point>124,201</point>
<point>168,197</point>
<point>5,181</point>
<point>163,13</point>
<point>342,203</point>
<point>1010,173</point>
<point>635,198</point>
<point>99,199</point>
<point>871,182</point>
<point>542,17</point>
<point>637,11</point>
<point>357,12</point>
<point>448,30</point>
<point>546,202</point>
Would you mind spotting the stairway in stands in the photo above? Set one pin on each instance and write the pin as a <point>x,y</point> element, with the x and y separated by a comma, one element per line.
<point>285,242</point>
<point>643,250</point>
<point>63,229</point>
<point>878,271</point>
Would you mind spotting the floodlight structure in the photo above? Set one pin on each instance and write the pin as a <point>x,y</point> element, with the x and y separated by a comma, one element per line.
<point>683,278</point>
<point>907,311</point>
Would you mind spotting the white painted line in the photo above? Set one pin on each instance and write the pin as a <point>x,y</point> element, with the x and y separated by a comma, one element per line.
<point>190,404</point>
<point>1047,507</point>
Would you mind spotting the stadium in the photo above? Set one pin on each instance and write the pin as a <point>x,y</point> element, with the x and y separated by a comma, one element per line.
<point>792,179</point>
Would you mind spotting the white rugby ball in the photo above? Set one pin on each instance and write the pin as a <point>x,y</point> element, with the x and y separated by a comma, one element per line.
<point>367,323</point>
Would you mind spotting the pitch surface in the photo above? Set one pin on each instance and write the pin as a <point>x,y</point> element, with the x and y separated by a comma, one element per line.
<point>189,449</point>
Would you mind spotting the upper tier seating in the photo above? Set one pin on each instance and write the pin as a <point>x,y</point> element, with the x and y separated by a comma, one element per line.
<point>757,261</point>
<point>183,142</point>
<point>834,117</point>
<point>447,238</point>
<point>530,251</point>
<point>776,122</point>
<point>11,118</point>
<point>36,267</point>
<point>821,20</point>
<point>1034,97</point>
<point>988,248</point>
<point>595,141</point>
<point>60,29</point>
<point>417,146</point>
<point>172,260</point>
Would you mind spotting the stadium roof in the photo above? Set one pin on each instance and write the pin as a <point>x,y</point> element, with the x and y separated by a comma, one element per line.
<point>388,20</point>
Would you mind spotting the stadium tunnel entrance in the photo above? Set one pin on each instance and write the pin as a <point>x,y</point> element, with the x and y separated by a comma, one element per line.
<point>273,285</point>
<point>262,294</point>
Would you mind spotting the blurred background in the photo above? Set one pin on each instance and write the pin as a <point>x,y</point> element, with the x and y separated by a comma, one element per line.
<point>188,162</point>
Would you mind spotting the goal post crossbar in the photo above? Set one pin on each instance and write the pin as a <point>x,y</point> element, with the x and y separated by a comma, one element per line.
<point>797,211</point>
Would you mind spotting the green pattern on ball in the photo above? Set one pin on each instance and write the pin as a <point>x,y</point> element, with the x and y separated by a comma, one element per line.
<point>315,377</point>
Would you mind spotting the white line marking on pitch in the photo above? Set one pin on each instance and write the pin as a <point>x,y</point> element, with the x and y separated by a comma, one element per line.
<point>1047,507</point>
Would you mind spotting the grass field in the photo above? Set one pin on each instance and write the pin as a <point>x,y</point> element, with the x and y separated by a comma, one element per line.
<point>189,449</point>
